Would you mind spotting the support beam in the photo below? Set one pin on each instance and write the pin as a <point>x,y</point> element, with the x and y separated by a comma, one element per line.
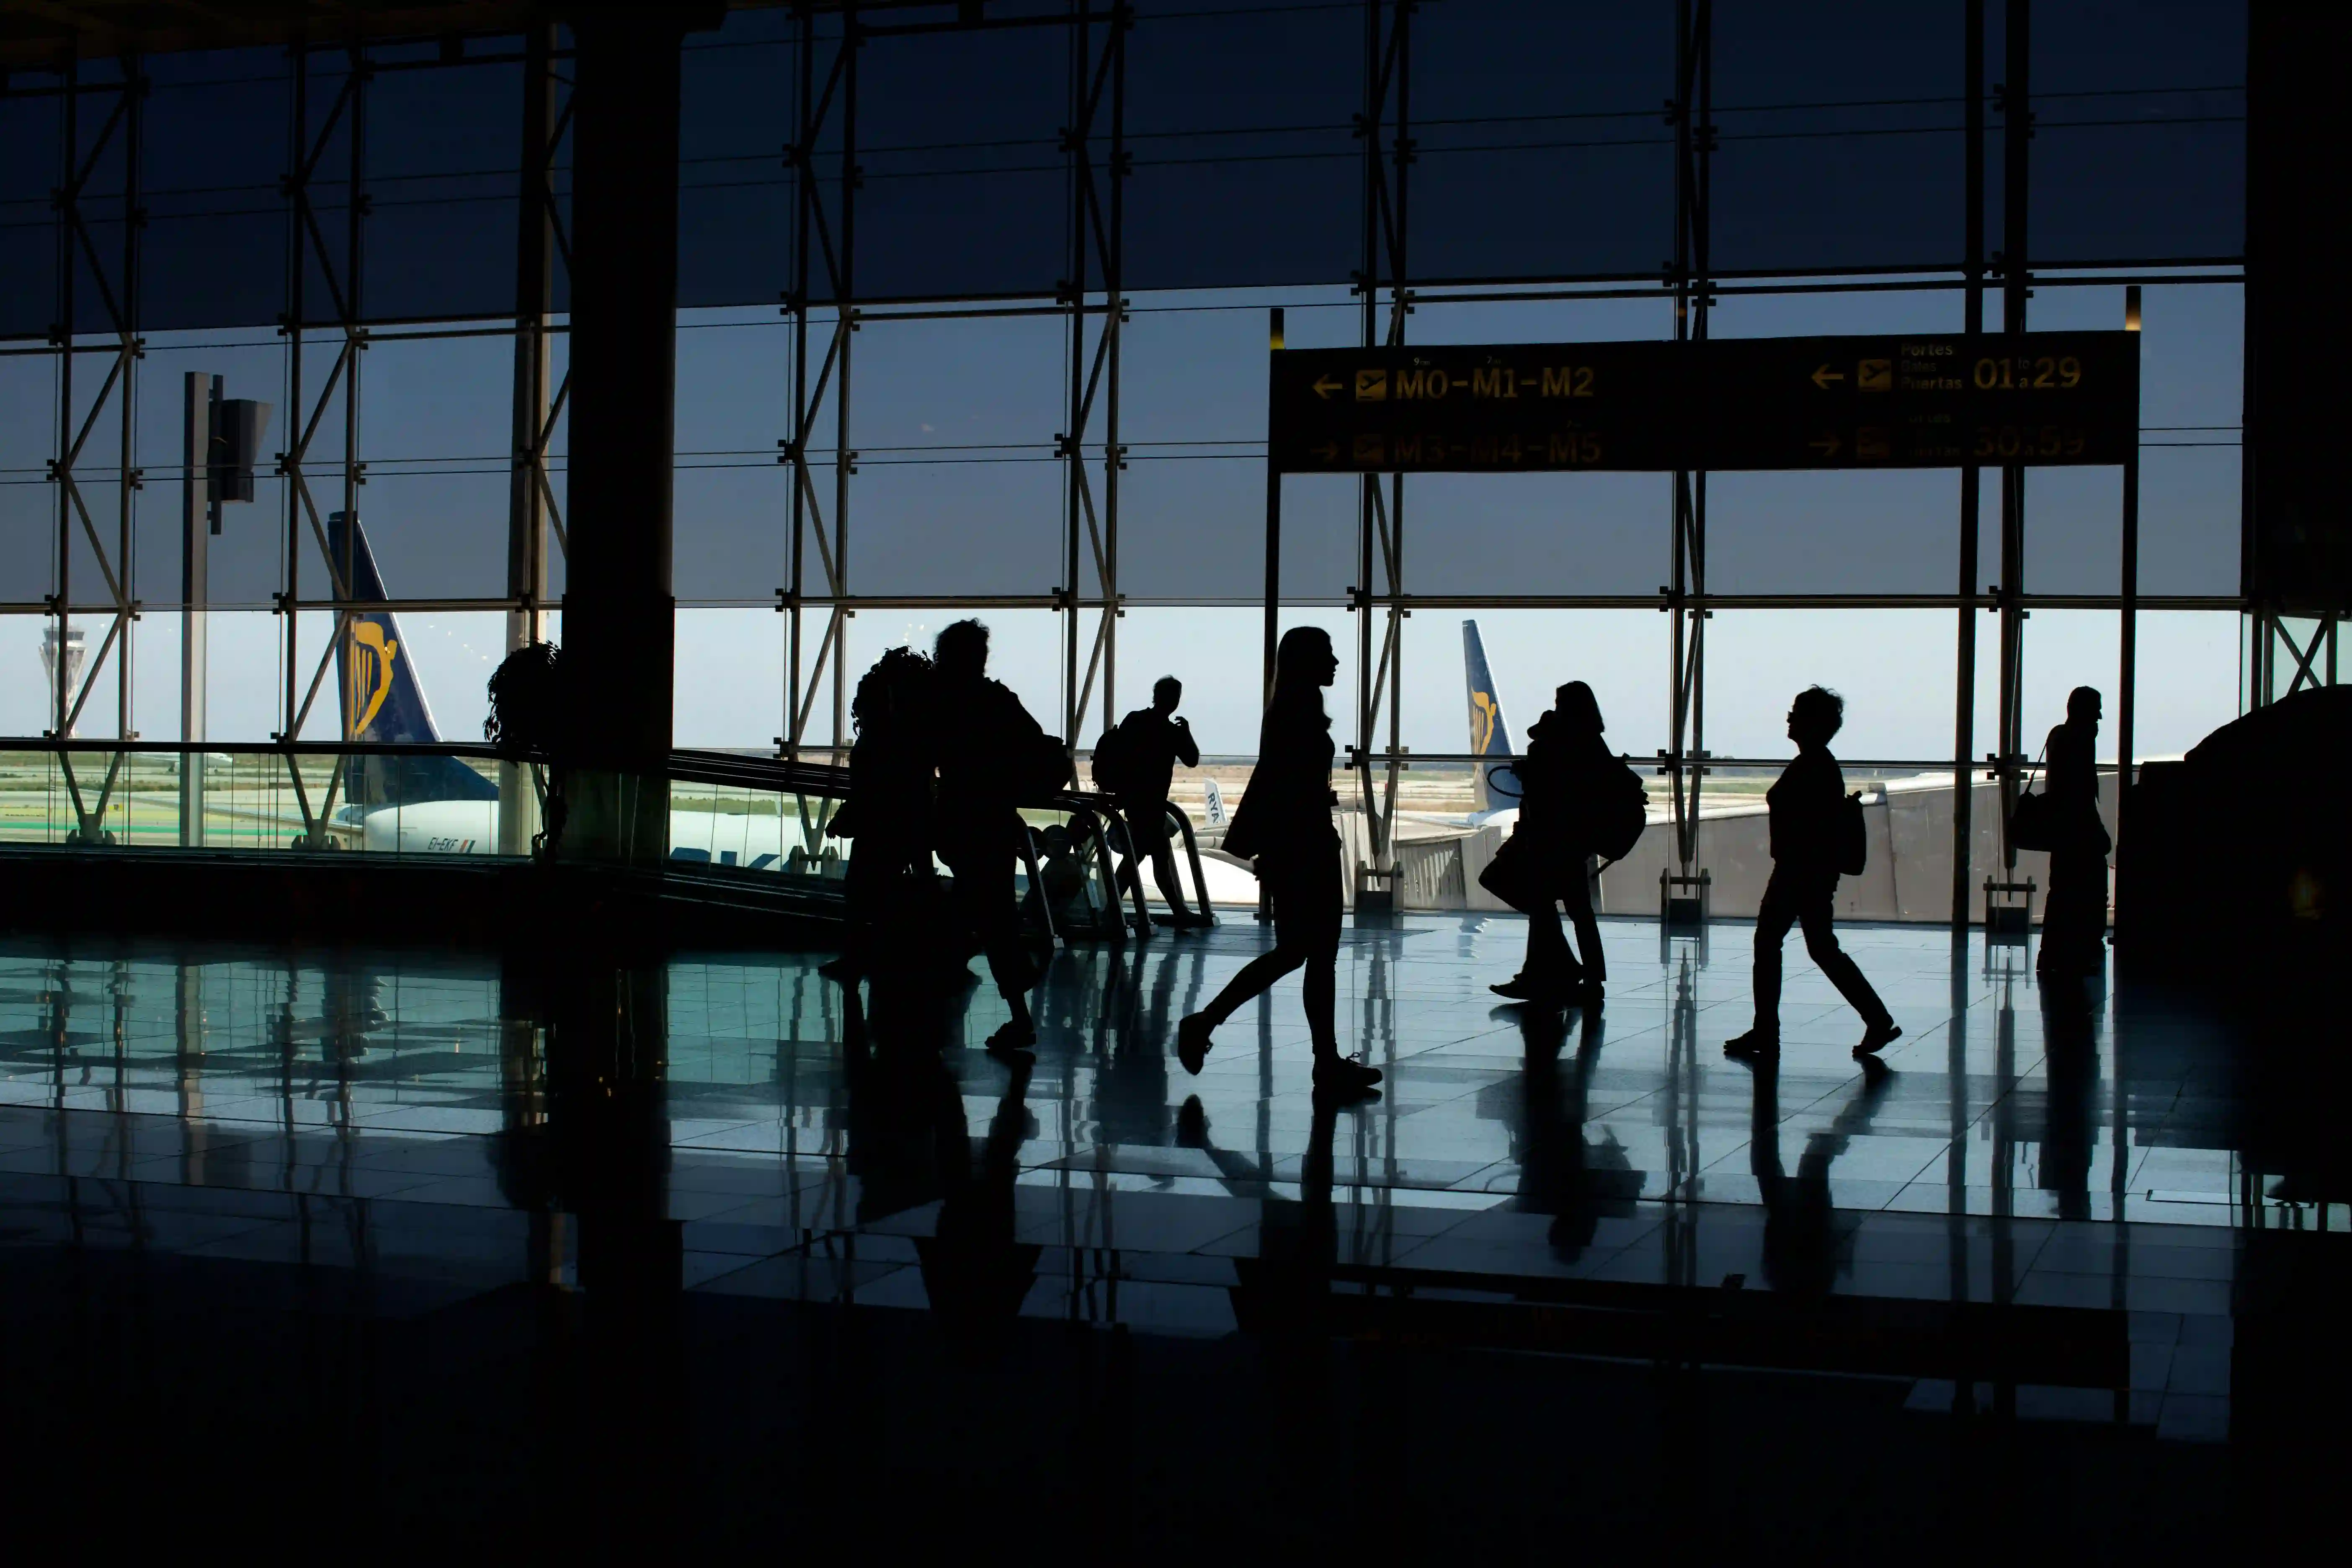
<point>1964,692</point>
<point>527,488</point>
<point>618,611</point>
<point>197,508</point>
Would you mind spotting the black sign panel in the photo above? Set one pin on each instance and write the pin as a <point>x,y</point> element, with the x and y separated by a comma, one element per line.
<point>1896,402</point>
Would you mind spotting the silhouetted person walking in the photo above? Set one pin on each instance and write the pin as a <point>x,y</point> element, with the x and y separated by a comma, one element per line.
<point>1146,746</point>
<point>2074,916</point>
<point>1285,825</point>
<point>888,814</point>
<point>986,743</point>
<point>1806,806</point>
<point>1565,767</point>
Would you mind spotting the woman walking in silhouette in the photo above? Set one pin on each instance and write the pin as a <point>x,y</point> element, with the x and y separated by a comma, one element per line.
<point>1285,824</point>
<point>2075,917</point>
<point>1805,804</point>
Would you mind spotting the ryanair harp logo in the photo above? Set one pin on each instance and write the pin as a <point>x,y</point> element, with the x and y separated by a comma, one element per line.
<point>1482,721</point>
<point>370,674</point>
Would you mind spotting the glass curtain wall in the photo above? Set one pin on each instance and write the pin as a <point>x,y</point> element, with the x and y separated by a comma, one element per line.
<point>974,322</point>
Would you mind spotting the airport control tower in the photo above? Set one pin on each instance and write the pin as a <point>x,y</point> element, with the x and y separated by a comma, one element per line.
<point>76,651</point>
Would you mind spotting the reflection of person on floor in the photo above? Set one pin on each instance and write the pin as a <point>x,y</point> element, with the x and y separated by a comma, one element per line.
<point>1806,805</point>
<point>1305,1232</point>
<point>2070,1068</point>
<point>2074,916</point>
<point>888,813</point>
<point>1132,1070</point>
<point>975,1270</point>
<point>985,739</point>
<point>1150,741</point>
<point>1801,1238</point>
<point>1566,755</point>
<point>1285,824</point>
<point>1560,1172</point>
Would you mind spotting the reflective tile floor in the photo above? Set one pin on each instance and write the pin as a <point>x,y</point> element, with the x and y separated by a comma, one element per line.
<point>404,1118</point>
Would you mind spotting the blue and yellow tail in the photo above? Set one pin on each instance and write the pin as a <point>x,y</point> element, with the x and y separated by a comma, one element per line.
<point>381,700</point>
<point>1490,733</point>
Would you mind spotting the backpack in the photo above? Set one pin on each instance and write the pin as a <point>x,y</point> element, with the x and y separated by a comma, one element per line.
<point>1853,842</point>
<point>1619,810</point>
<point>1110,760</point>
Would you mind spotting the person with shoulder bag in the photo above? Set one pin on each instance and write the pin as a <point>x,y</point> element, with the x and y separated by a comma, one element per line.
<point>1285,825</point>
<point>1817,834</point>
<point>2075,915</point>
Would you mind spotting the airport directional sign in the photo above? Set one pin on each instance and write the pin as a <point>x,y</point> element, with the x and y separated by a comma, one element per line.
<point>1913,401</point>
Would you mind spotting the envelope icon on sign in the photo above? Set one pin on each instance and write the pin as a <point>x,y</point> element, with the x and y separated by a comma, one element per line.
<point>1874,376</point>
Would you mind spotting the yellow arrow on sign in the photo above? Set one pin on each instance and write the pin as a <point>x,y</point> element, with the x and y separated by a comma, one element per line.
<point>1326,385</point>
<point>1823,376</point>
<point>1827,446</point>
<point>1328,451</point>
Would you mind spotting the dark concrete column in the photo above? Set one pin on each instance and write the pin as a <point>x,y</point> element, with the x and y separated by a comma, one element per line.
<point>618,631</point>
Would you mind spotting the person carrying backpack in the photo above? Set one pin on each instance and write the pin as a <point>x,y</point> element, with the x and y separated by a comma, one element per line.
<point>1814,824</point>
<point>1571,783</point>
<point>1137,763</point>
<point>888,813</point>
<point>989,752</point>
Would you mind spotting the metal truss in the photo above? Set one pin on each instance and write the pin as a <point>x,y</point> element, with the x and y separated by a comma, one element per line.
<point>825,239</point>
<point>532,509</point>
<point>2311,654</point>
<point>2284,655</point>
<point>1384,126</point>
<point>2012,99</point>
<point>1691,113</point>
<point>306,244</point>
<point>117,291</point>
<point>1098,110</point>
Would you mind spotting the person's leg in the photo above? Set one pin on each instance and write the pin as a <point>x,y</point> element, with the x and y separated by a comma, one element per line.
<point>1316,919</point>
<point>983,881</point>
<point>1130,863</point>
<point>1774,916</point>
<point>2075,915</point>
<point>1251,980</point>
<point>1548,966</point>
<point>1579,898</point>
<point>1163,871</point>
<point>1287,953</point>
<point>1821,944</point>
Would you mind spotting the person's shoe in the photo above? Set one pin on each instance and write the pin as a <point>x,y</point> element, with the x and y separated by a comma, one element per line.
<point>1015,1038</point>
<point>1344,1077</point>
<point>1192,1041</point>
<point>1878,1037</point>
<point>1754,1046</point>
<point>1526,987</point>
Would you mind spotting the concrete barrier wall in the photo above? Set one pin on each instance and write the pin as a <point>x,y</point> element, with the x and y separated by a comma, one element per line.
<point>1909,876</point>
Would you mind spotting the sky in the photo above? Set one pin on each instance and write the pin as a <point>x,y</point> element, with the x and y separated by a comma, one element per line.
<point>955,491</point>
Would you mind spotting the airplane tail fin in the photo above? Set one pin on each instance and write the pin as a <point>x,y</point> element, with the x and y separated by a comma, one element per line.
<point>1490,734</point>
<point>382,700</point>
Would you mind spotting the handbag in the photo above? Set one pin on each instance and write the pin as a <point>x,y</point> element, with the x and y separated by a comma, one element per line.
<point>2031,824</point>
<point>1515,874</point>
